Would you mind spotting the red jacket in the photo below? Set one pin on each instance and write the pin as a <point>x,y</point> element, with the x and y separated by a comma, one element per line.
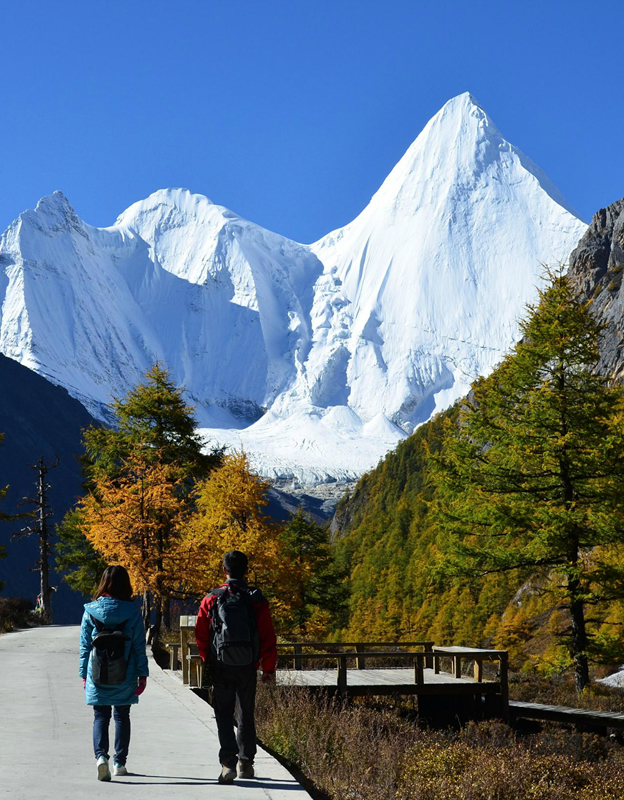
<point>266,632</point>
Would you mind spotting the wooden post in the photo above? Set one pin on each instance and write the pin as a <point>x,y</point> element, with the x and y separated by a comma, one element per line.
<point>478,670</point>
<point>173,655</point>
<point>419,676</point>
<point>504,668</point>
<point>297,649</point>
<point>457,666</point>
<point>360,662</point>
<point>428,646</point>
<point>183,657</point>
<point>436,664</point>
<point>342,675</point>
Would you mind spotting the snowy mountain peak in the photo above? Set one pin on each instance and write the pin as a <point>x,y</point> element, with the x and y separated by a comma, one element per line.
<point>436,270</point>
<point>316,359</point>
<point>53,211</point>
<point>165,200</point>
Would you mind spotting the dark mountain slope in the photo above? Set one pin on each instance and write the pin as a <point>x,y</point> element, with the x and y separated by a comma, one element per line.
<point>37,419</point>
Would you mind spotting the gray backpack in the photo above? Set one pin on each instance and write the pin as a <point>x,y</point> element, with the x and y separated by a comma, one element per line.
<point>108,654</point>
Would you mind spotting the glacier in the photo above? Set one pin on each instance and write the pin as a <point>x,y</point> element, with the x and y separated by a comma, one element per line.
<point>315,359</point>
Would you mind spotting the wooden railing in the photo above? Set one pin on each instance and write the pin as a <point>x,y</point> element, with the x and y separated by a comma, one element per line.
<point>360,649</point>
<point>426,659</point>
<point>479,656</point>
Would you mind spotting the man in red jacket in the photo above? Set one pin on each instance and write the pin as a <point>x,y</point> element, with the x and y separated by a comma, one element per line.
<point>235,636</point>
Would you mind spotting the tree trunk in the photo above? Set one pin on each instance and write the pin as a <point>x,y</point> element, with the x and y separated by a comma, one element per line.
<point>578,639</point>
<point>167,613</point>
<point>156,627</point>
<point>146,610</point>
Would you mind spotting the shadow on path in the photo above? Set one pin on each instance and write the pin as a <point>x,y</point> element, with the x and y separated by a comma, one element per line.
<point>175,780</point>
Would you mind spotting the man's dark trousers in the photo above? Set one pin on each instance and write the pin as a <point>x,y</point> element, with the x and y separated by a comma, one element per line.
<point>234,691</point>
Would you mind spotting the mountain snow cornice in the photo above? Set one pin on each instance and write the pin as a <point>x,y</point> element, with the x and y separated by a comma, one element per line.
<point>316,359</point>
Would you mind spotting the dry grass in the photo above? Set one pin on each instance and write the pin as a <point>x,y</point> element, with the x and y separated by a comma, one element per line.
<point>561,691</point>
<point>353,752</point>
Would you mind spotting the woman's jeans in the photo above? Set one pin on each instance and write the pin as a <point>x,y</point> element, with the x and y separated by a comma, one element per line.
<point>101,720</point>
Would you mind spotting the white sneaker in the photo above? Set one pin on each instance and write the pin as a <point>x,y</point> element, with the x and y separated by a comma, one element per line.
<point>119,769</point>
<point>103,770</point>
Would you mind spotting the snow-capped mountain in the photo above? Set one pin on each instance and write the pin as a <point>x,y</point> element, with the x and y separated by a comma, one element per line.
<point>437,268</point>
<point>316,359</point>
<point>223,303</point>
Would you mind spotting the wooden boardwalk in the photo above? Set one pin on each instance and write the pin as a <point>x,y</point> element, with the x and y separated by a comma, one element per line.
<point>386,681</point>
<point>581,717</point>
<point>436,676</point>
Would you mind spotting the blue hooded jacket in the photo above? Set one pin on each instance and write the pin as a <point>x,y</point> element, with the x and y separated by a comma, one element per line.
<point>111,612</point>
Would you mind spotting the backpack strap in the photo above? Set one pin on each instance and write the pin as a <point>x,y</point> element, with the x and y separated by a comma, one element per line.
<point>100,626</point>
<point>217,594</point>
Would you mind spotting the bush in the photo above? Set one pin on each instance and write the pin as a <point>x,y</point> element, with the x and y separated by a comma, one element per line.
<point>346,751</point>
<point>355,752</point>
<point>16,612</point>
<point>456,771</point>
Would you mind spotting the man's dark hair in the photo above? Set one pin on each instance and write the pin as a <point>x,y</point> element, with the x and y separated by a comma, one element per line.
<point>235,563</point>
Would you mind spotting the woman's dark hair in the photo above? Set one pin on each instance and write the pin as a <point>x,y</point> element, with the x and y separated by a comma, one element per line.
<point>115,582</point>
<point>235,564</point>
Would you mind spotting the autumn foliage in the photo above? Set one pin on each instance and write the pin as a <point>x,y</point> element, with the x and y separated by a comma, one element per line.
<point>136,520</point>
<point>157,503</point>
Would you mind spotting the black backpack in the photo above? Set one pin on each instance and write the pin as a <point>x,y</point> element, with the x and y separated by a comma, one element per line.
<point>234,640</point>
<point>108,654</point>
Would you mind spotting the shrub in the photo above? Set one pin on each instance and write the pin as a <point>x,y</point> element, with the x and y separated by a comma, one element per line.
<point>16,612</point>
<point>358,752</point>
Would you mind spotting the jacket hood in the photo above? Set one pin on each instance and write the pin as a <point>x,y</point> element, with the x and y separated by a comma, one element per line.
<point>111,611</point>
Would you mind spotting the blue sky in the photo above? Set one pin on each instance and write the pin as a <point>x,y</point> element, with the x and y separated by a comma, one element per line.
<point>292,112</point>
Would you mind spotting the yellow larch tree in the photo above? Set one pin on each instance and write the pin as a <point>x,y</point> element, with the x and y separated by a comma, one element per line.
<point>136,519</point>
<point>229,516</point>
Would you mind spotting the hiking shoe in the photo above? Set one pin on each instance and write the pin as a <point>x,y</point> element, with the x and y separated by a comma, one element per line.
<point>119,769</point>
<point>245,769</point>
<point>227,774</point>
<point>103,770</point>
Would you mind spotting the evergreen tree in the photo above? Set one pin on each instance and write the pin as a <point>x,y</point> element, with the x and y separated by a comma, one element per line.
<point>530,479</point>
<point>76,556</point>
<point>153,419</point>
<point>311,576</point>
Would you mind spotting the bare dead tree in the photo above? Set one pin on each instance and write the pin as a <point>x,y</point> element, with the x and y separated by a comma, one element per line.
<point>39,527</point>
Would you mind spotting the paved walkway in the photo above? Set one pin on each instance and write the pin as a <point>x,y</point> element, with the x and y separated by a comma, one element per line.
<point>45,734</point>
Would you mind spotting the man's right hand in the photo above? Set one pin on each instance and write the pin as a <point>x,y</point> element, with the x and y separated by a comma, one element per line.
<point>268,677</point>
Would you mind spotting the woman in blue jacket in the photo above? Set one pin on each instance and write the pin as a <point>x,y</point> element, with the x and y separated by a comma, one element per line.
<point>113,610</point>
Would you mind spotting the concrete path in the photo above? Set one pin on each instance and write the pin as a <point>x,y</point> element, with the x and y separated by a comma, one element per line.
<point>45,734</point>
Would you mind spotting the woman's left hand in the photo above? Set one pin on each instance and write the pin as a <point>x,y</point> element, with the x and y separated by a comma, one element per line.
<point>141,687</point>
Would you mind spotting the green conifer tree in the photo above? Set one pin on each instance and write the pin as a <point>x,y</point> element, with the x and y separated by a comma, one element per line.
<point>152,418</point>
<point>313,578</point>
<point>76,556</point>
<point>530,479</point>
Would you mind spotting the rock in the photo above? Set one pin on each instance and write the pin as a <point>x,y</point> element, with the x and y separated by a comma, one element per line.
<point>597,269</point>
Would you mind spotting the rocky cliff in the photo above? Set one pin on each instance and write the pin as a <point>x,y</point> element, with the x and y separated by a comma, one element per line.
<point>597,268</point>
